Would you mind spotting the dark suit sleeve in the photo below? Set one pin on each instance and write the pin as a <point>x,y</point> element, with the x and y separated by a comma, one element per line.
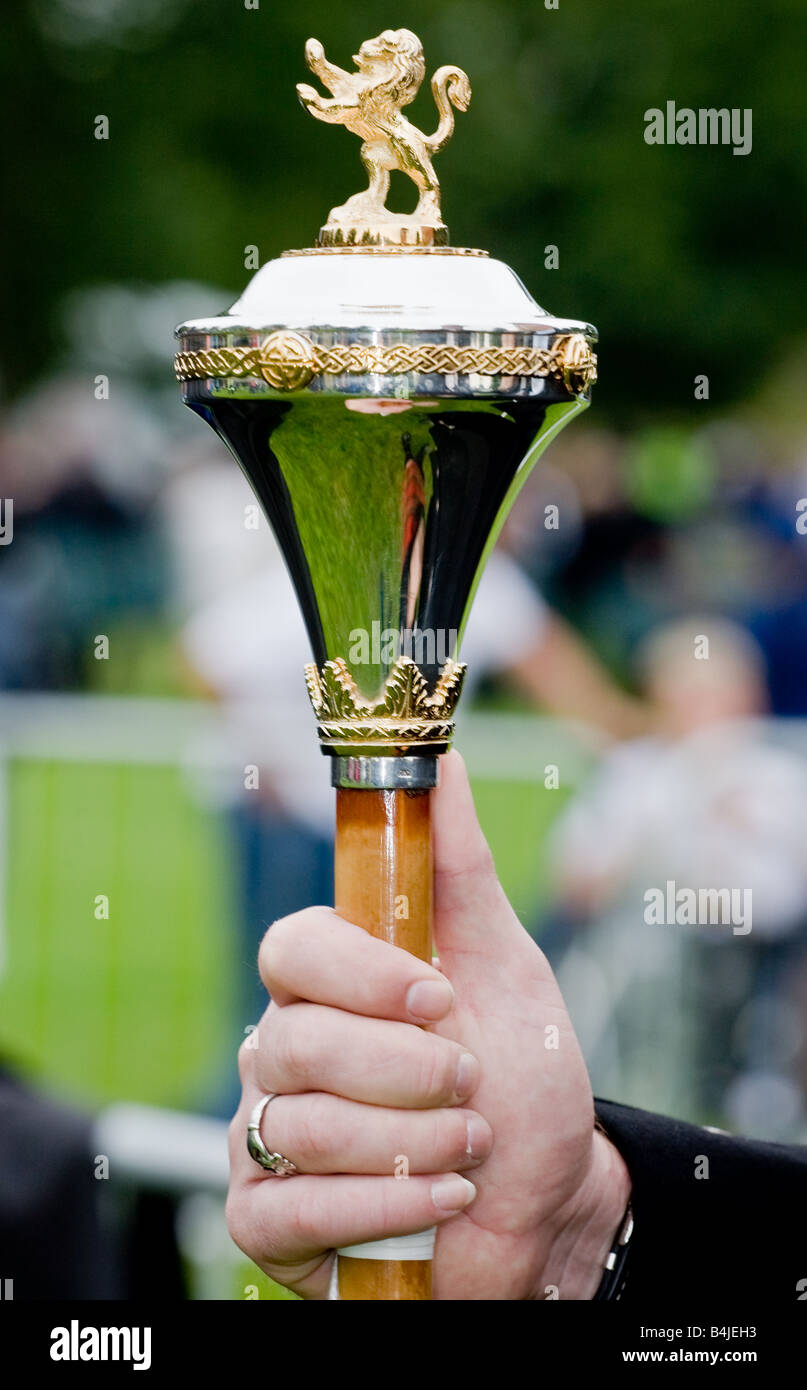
<point>52,1241</point>
<point>717,1218</point>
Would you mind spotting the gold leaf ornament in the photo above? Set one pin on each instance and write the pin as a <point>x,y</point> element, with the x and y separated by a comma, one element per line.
<point>406,713</point>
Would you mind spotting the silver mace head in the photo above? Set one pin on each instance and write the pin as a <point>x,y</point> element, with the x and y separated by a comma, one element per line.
<point>386,395</point>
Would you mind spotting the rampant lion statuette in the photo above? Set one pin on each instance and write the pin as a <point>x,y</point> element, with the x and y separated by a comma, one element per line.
<point>390,70</point>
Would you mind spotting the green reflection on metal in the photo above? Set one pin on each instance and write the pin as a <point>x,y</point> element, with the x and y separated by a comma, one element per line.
<point>556,417</point>
<point>360,477</point>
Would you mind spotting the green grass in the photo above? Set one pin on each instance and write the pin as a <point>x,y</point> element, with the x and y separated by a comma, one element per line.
<point>141,1006</point>
<point>136,1006</point>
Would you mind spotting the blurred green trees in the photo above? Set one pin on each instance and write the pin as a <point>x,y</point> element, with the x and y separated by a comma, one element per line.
<point>687,258</point>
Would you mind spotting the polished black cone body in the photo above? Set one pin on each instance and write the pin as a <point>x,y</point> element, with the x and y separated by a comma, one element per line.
<point>384,513</point>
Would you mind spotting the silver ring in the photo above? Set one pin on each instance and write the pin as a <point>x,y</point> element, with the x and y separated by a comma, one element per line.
<point>274,1163</point>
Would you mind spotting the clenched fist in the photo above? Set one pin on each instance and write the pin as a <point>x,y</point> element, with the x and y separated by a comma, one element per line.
<point>472,1072</point>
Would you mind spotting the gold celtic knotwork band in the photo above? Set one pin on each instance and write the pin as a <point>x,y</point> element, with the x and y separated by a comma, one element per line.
<point>406,712</point>
<point>289,361</point>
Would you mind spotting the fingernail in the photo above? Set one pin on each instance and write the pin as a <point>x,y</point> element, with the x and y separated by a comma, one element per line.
<point>428,1000</point>
<point>467,1076</point>
<point>477,1133</point>
<point>452,1193</point>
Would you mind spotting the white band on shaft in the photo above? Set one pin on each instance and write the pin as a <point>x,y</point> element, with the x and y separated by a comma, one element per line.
<point>419,1246</point>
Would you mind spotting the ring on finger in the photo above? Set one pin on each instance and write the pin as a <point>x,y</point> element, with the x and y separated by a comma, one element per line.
<point>275,1163</point>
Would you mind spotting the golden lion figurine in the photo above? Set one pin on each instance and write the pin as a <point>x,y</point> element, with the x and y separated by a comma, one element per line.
<point>390,70</point>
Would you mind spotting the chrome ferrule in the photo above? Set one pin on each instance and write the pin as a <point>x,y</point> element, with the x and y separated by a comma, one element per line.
<point>419,773</point>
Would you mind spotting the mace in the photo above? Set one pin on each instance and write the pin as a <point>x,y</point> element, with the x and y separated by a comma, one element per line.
<point>386,395</point>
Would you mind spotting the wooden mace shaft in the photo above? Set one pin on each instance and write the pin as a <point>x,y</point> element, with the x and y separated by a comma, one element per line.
<point>383,882</point>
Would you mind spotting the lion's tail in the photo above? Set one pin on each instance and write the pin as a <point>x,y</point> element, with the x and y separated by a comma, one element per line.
<point>450,87</point>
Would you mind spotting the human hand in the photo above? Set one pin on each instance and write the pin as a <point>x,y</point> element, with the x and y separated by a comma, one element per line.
<point>494,1087</point>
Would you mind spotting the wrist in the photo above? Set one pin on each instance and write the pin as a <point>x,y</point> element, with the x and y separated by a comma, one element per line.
<point>588,1225</point>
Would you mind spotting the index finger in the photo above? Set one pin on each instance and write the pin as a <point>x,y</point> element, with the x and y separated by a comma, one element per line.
<point>316,955</point>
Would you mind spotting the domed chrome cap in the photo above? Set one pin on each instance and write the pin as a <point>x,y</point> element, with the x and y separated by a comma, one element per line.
<point>400,323</point>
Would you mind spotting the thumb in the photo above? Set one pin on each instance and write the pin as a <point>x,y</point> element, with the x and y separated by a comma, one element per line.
<point>469,904</point>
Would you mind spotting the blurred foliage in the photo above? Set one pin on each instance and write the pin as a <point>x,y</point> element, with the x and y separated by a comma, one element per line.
<point>670,473</point>
<point>685,257</point>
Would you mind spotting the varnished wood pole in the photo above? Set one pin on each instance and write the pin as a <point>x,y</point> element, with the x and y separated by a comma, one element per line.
<point>383,881</point>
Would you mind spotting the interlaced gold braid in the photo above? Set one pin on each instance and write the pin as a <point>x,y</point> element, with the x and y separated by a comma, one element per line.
<point>288,360</point>
<point>217,362</point>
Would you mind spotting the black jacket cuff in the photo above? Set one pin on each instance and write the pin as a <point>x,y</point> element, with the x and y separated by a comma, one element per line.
<point>716,1217</point>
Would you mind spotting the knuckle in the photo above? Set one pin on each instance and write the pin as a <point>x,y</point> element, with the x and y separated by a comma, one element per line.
<point>387,1205</point>
<point>306,1223</point>
<point>312,1135</point>
<point>283,942</point>
<point>245,1054</point>
<point>272,950</point>
<point>262,1236</point>
<point>289,1048</point>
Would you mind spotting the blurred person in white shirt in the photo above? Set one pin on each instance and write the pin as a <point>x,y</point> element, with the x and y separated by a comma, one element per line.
<point>709,802</point>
